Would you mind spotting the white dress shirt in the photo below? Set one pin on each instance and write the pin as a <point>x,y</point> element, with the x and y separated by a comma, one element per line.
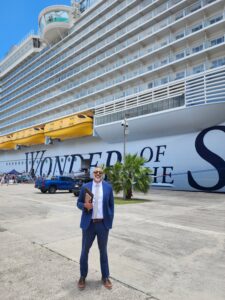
<point>100,200</point>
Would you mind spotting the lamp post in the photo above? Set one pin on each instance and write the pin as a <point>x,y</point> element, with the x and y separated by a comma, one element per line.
<point>124,123</point>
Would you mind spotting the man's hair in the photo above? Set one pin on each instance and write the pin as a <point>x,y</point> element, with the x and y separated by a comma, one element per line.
<point>98,167</point>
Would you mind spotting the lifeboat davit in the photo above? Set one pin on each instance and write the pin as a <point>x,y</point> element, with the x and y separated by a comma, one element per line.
<point>29,137</point>
<point>6,142</point>
<point>70,127</point>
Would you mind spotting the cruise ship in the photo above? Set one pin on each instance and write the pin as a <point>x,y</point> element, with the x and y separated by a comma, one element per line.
<point>107,77</point>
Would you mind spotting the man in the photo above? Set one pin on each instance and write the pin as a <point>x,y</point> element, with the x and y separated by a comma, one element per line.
<point>96,220</point>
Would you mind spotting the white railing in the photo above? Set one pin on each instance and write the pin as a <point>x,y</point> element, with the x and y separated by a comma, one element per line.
<point>14,48</point>
<point>93,29</point>
<point>205,46</point>
<point>153,95</point>
<point>199,89</point>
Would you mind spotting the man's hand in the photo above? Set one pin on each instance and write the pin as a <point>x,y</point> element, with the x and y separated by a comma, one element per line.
<point>88,205</point>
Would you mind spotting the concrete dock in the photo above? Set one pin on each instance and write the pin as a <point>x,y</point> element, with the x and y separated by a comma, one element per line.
<point>171,247</point>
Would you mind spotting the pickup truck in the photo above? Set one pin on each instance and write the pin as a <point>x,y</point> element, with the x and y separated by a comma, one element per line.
<point>55,183</point>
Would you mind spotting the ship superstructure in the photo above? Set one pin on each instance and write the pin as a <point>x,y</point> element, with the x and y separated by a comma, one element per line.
<point>160,64</point>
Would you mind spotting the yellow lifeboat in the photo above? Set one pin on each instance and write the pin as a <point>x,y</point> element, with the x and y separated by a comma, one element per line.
<point>29,137</point>
<point>70,127</point>
<point>6,142</point>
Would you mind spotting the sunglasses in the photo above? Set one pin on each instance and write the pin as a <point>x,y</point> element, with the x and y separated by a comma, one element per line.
<point>98,172</point>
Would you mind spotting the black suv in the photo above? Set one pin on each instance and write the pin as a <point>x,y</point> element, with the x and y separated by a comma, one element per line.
<point>79,181</point>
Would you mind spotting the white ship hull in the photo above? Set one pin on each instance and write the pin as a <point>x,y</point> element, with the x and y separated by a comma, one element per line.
<point>193,161</point>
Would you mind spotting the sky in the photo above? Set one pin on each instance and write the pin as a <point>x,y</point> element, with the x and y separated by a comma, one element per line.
<point>18,18</point>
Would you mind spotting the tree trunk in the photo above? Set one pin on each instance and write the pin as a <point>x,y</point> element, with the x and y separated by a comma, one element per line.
<point>129,194</point>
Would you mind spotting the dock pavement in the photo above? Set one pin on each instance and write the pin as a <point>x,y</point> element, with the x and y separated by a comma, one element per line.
<point>171,247</point>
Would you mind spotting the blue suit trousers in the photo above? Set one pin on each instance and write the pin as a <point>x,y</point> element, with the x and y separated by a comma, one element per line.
<point>88,237</point>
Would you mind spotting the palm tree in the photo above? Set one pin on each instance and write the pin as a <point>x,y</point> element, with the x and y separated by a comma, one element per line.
<point>132,175</point>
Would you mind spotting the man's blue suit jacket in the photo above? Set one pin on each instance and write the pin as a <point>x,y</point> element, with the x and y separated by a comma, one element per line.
<point>108,205</point>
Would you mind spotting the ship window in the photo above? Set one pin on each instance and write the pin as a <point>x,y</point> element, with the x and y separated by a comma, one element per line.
<point>195,7</point>
<point>81,116</point>
<point>215,19</point>
<point>164,80</point>
<point>36,43</point>
<point>179,15</point>
<point>57,16</point>
<point>216,41</point>
<point>197,48</point>
<point>164,61</point>
<point>218,62</point>
<point>179,75</point>
<point>196,28</point>
<point>179,35</point>
<point>82,6</point>
<point>198,69</point>
<point>163,43</point>
<point>209,1</point>
<point>180,55</point>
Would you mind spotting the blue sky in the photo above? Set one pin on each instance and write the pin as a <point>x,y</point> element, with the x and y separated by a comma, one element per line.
<point>18,18</point>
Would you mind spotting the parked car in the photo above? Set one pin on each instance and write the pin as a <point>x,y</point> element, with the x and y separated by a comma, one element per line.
<point>55,183</point>
<point>79,181</point>
<point>24,178</point>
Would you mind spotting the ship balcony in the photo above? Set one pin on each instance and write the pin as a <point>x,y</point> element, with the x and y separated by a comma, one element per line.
<point>183,107</point>
<point>20,53</point>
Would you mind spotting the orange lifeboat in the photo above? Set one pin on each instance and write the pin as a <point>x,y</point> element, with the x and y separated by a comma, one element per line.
<point>70,127</point>
<point>29,137</point>
<point>6,142</point>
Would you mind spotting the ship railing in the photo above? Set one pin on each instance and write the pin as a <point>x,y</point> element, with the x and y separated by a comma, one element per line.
<point>188,52</point>
<point>156,94</point>
<point>16,47</point>
<point>173,4</point>
<point>206,88</point>
<point>207,45</point>
<point>198,89</point>
<point>193,100</point>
